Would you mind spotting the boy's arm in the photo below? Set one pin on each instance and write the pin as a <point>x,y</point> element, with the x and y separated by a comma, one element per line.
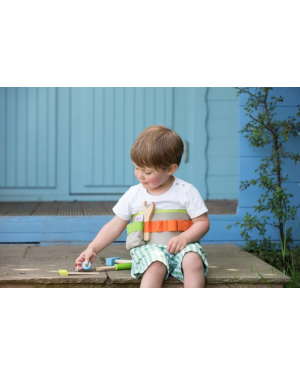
<point>108,234</point>
<point>197,231</point>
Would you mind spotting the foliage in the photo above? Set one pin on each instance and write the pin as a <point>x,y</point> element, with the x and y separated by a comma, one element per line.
<point>264,129</point>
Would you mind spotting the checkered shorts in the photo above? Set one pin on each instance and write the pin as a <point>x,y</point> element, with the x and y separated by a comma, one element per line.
<point>143,256</point>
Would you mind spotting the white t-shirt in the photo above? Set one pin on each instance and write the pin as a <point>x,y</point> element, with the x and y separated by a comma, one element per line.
<point>180,196</point>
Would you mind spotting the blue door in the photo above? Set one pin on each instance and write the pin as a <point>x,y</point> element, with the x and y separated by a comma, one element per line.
<point>74,143</point>
<point>104,124</point>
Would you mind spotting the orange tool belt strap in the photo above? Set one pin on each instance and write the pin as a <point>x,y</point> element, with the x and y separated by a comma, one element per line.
<point>167,226</point>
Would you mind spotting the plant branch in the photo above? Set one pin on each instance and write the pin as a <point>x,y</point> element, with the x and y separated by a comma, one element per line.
<point>270,129</point>
<point>259,179</point>
<point>274,198</point>
<point>247,92</point>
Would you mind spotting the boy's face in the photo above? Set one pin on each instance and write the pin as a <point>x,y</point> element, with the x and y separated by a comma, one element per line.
<point>150,178</point>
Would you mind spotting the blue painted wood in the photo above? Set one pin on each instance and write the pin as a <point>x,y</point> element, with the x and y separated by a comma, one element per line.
<point>11,105</point>
<point>59,136</point>
<point>109,113</point>
<point>182,125</point>
<point>159,105</point>
<point>222,149</point>
<point>21,135</point>
<point>224,128</point>
<point>249,164</point>
<point>62,144</point>
<point>86,128</point>
<point>109,141</point>
<point>223,186</point>
<point>140,105</point>
<point>224,110</point>
<point>42,137</point>
<point>290,95</point>
<point>118,171</point>
<point>190,110</point>
<point>184,100</point>
<point>32,129</point>
<point>169,120</point>
<point>228,94</point>
<point>97,169</point>
<point>28,125</point>
<point>149,108</point>
<point>223,166</point>
<point>83,229</point>
<point>51,137</point>
<point>198,154</point>
<point>2,136</point>
<point>52,228</point>
<point>129,131</point>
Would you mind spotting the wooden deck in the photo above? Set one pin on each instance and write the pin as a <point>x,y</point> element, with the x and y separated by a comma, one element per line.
<point>215,207</point>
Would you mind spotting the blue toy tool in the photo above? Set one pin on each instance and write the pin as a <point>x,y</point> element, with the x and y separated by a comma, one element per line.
<point>88,267</point>
<point>111,261</point>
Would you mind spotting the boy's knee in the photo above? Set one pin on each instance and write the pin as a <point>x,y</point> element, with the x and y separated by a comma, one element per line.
<point>157,267</point>
<point>192,262</point>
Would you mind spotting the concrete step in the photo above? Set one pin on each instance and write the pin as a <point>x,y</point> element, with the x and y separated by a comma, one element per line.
<point>25,266</point>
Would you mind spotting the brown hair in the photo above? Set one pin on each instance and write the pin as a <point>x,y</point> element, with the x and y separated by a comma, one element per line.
<point>157,146</point>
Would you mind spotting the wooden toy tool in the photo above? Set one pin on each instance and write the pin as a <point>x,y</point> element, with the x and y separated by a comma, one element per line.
<point>115,260</point>
<point>117,267</point>
<point>66,273</point>
<point>148,213</point>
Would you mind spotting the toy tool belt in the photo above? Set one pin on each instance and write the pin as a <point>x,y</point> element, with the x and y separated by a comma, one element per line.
<point>165,224</point>
<point>160,226</point>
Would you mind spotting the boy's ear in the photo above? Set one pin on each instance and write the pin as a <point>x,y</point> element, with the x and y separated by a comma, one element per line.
<point>172,169</point>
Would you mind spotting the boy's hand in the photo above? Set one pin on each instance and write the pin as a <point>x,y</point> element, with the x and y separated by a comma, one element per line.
<point>88,255</point>
<point>176,244</point>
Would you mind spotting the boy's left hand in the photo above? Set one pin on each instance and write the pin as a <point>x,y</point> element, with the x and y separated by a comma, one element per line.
<point>176,244</point>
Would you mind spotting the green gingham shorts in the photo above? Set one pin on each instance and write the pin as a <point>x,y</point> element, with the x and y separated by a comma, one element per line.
<point>143,256</point>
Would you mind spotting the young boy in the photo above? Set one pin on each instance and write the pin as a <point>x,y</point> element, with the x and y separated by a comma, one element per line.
<point>156,155</point>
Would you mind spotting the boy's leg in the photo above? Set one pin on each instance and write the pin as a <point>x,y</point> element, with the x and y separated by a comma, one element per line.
<point>193,270</point>
<point>154,275</point>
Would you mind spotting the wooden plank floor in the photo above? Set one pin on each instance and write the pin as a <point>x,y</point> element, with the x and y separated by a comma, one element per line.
<point>215,207</point>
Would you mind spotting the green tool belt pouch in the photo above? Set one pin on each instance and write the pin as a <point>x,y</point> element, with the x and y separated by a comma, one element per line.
<point>135,235</point>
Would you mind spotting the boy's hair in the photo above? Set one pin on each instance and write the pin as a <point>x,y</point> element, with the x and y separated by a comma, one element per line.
<point>157,146</point>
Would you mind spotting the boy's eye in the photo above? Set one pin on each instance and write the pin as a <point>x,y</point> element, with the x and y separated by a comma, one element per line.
<point>148,172</point>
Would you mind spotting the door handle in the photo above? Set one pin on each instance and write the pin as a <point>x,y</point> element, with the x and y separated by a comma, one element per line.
<point>186,151</point>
